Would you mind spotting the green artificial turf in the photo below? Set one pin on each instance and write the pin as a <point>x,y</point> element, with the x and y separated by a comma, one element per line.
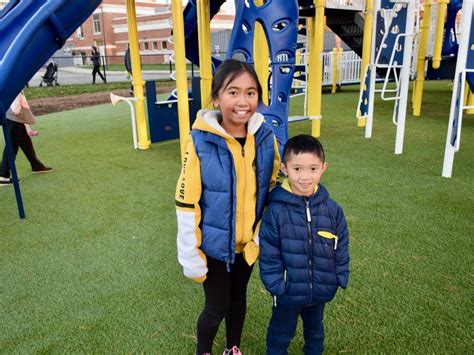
<point>93,267</point>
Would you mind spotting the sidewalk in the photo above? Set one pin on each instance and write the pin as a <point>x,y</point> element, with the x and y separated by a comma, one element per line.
<point>75,75</point>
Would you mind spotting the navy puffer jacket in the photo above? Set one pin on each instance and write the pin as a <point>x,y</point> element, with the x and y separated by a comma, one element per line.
<point>304,247</point>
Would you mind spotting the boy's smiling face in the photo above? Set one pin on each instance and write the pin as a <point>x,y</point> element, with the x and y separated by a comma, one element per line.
<point>304,172</point>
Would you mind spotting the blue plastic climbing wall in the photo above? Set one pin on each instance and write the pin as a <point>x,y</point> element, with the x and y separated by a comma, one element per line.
<point>279,19</point>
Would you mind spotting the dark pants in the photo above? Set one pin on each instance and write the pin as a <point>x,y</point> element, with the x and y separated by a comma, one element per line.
<point>225,297</point>
<point>283,324</point>
<point>20,139</point>
<point>95,71</point>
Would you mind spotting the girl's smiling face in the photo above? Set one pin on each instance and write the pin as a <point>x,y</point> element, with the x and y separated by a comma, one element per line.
<point>238,101</point>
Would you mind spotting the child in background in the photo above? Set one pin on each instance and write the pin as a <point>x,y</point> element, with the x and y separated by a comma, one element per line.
<point>231,161</point>
<point>304,248</point>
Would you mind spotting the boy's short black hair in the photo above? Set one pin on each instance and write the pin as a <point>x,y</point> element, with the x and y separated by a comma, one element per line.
<point>303,143</point>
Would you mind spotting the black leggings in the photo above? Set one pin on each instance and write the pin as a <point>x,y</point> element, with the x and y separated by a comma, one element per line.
<point>226,297</point>
<point>20,139</point>
<point>96,70</point>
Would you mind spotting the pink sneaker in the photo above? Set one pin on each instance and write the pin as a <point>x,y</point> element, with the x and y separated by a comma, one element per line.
<point>234,351</point>
<point>33,133</point>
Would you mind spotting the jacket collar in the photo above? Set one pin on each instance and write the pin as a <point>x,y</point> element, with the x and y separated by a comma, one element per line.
<point>283,193</point>
<point>286,185</point>
<point>207,121</point>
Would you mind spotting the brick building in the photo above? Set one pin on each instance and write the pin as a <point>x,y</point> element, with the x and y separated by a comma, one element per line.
<point>107,29</point>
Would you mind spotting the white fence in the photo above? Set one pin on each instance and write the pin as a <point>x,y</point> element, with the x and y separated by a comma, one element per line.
<point>355,5</point>
<point>347,71</point>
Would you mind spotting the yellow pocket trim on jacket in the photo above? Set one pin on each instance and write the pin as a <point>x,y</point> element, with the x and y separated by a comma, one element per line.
<point>329,235</point>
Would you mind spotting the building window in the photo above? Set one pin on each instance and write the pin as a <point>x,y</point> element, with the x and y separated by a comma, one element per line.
<point>96,23</point>
<point>145,46</point>
<point>164,44</point>
<point>79,33</point>
<point>155,45</point>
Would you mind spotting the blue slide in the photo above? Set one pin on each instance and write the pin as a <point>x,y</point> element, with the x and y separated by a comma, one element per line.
<point>191,35</point>
<point>30,32</point>
<point>191,29</point>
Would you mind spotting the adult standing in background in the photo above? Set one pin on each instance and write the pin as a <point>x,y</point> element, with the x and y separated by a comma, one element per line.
<point>95,58</point>
<point>128,66</point>
<point>18,115</point>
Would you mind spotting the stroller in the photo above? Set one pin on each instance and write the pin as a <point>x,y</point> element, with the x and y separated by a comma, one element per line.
<point>50,78</point>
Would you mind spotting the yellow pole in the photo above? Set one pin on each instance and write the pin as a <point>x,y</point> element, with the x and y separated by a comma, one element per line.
<point>261,55</point>
<point>315,71</point>
<point>366,46</point>
<point>440,18</point>
<point>204,39</point>
<point>181,74</point>
<point>261,58</point>
<point>297,62</point>
<point>470,102</point>
<point>466,93</point>
<point>420,66</point>
<point>138,83</point>
<point>339,67</point>
<point>335,53</point>
<point>468,98</point>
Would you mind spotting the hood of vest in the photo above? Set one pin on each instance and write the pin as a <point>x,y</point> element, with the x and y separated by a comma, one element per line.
<point>208,121</point>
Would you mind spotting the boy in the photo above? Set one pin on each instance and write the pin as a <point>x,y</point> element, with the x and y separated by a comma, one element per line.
<point>304,248</point>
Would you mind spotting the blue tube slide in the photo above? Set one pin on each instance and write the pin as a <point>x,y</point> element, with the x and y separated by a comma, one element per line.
<point>191,30</point>
<point>191,35</point>
<point>30,32</point>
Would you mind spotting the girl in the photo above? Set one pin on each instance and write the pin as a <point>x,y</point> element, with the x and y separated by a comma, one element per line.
<point>231,161</point>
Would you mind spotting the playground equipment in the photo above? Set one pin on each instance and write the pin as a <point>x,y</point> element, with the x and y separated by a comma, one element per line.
<point>182,105</point>
<point>163,116</point>
<point>137,80</point>
<point>392,42</point>
<point>438,45</point>
<point>279,20</point>
<point>273,26</point>
<point>464,79</point>
<point>115,99</point>
<point>31,32</point>
<point>339,68</point>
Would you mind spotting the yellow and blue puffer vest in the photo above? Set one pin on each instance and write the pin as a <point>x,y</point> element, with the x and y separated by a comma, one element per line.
<point>218,201</point>
<point>304,247</point>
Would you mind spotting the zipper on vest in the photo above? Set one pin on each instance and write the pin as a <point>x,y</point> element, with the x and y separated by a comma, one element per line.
<point>231,229</point>
<point>310,246</point>
<point>243,152</point>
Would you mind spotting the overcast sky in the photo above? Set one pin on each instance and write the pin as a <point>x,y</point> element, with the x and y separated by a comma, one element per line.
<point>229,6</point>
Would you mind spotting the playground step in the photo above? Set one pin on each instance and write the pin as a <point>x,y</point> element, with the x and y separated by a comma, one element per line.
<point>348,26</point>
